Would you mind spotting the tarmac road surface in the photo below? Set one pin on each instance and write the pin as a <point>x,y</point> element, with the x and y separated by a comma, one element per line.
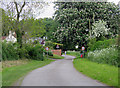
<point>59,73</point>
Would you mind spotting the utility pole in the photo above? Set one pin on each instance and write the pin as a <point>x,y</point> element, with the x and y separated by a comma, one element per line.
<point>89,29</point>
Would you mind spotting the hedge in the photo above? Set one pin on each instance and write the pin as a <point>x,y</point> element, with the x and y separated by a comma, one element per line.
<point>11,51</point>
<point>102,44</point>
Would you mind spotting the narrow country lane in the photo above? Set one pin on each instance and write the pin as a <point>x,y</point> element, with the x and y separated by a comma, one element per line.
<point>58,73</point>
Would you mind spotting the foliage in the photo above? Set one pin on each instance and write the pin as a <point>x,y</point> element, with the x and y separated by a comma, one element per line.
<point>57,44</point>
<point>75,18</point>
<point>49,44</point>
<point>52,45</point>
<point>50,27</point>
<point>99,29</point>
<point>48,52</point>
<point>36,53</point>
<point>90,44</point>
<point>34,27</point>
<point>97,45</point>
<point>9,52</point>
<point>102,72</point>
<point>12,51</point>
<point>107,56</point>
<point>17,12</point>
<point>6,23</point>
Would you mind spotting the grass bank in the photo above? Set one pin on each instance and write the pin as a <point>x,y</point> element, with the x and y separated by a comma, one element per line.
<point>11,74</point>
<point>56,57</point>
<point>102,72</point>
<point>73,53</point>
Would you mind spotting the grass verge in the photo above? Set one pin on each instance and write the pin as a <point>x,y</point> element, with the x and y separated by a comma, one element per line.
<point>56,57</point>
<point>102,72</point>
<point>11,74</point>
<point>73,53</point>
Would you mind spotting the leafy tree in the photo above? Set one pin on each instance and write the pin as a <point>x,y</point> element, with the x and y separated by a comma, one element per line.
<point>6,23</point>
<point>99,29</point>
<point>50,27</point>
<point>76,19</point>
<point>18,11</point>
<point>34,27</point>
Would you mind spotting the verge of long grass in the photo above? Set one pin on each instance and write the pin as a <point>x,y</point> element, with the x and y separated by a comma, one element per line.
<point>56,56</point>
<point>11,74</point>
<point>107,56</point>
<point>0,74</point>
<point>73,53</point>
<point>102,72</point>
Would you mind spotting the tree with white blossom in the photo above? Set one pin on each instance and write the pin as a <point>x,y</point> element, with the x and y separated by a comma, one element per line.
<point>76,19</point>
<point>99,29</point>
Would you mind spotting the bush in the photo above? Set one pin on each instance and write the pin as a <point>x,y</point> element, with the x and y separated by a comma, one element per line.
<point>9,51</point>
<point>49,53</point>
<point>36,52</point>
<point>108,56</point>
<point>101,44</point>
<point>49,44</point>
<point>12,51</point>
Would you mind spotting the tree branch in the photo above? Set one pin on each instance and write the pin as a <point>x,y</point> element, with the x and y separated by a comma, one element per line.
<point>22,7</point>
<point>16,6</point>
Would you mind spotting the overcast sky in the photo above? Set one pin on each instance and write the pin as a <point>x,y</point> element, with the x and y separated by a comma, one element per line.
<point>49,10</point>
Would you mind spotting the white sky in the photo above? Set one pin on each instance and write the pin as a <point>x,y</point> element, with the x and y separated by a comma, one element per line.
<point>49,10</point>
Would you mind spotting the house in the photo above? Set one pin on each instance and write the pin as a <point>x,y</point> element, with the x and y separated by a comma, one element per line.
<point>41,41</point>
<point>10,38</point>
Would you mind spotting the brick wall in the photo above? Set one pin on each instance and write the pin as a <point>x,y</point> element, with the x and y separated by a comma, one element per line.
<point>57,52</point>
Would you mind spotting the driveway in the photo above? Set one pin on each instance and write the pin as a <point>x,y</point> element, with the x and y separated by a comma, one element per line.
<point>59,73</point>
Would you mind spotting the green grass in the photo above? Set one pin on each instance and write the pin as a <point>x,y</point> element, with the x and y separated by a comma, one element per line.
<point>73,53</point>
<point>56,57</point>
<point>0,74</point>
<point>12,74</point>
<point>102,72</point>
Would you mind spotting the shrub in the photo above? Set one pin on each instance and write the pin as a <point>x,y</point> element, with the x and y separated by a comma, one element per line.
<point>9,51</point>
<point>49,44</point>
<point>28,48</point>
<point>12,51</point>
<point>93,45</point>
<point>49,53</point>
<point>36,52</point>
<point>108,56</point>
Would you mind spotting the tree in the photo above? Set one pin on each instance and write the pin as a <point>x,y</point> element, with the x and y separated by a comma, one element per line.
<point>18,11</point>
<point>36,28</point>
<point>76,19</point>
<point>50,27</point>
<point>99,30</point>
<point>6,23</point>
<point>32,28</point>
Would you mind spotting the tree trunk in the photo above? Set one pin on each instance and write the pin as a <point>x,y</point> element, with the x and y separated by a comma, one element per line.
<point>17,30</point>
<point>19,37</point>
